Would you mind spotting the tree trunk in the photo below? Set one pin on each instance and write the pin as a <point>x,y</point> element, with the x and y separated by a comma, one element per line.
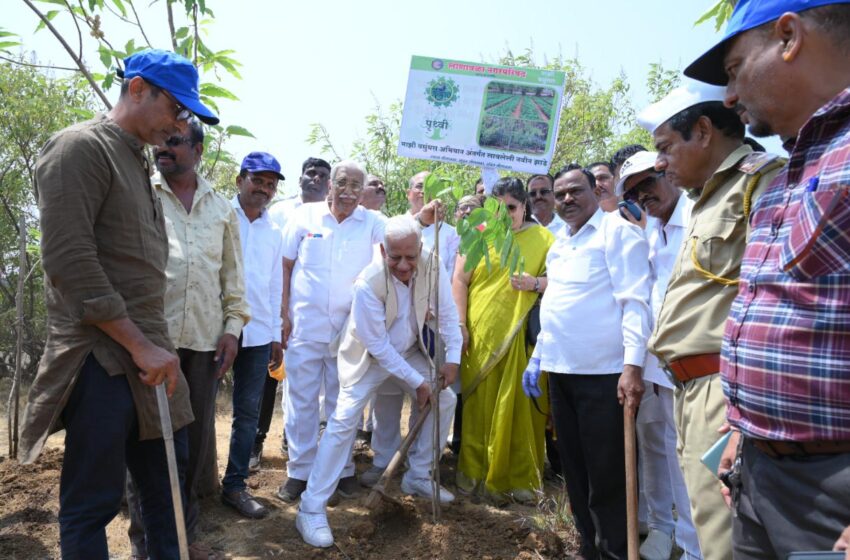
<point>14,394</point>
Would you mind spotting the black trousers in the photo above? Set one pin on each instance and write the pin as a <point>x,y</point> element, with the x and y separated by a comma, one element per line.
<point>589,423</point>
<point>101,445</point>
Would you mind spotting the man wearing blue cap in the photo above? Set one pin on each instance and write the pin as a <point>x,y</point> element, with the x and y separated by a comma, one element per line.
<point>259,346</point>
<point>786,346</point>
<point>104,252</point>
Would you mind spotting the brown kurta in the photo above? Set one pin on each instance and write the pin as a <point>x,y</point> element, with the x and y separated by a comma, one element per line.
<point>104,251</point>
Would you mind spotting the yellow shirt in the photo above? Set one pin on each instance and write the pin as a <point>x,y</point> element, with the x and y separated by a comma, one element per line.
<point>205,296</point>
<point>695,307</point>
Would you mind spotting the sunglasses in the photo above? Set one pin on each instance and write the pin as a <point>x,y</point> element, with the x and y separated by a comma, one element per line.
<point>512,207</point>
<point>175,141</point>
<point>539,193</point>
<point>633,193</point>
<point>181,113</point>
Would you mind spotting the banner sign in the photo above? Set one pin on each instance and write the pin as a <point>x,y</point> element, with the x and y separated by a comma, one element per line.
<point>481,114</point>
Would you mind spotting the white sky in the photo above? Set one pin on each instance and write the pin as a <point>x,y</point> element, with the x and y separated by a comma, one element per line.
<point>330,61</point>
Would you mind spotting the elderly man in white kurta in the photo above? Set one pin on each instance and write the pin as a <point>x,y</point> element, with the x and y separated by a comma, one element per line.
<point>383,341</point>
<point>326,245</point>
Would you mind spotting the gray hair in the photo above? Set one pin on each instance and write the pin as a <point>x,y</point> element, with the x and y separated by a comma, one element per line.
<point>400,227</point>
<point>348,163</point>
<point>411,181</point>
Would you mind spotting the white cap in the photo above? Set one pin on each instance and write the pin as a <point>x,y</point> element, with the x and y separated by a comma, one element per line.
<point>690,93</point>
<point>638,163</point>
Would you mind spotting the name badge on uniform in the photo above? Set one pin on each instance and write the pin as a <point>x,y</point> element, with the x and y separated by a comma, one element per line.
<point>314,235</point>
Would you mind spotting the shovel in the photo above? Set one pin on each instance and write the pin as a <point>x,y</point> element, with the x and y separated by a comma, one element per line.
<point>168,440</point>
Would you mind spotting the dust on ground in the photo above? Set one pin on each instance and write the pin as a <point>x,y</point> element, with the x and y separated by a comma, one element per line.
<point>470,528</point>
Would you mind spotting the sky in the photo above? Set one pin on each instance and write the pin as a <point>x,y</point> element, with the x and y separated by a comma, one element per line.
<point>334,61</point>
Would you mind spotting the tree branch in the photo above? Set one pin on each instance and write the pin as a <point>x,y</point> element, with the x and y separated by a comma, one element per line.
<point>77,25</point>
<point>139,23</point>
<point>171,25</point>
<point>197,37</point>
<point>78,60</point>
<point>29,65</point>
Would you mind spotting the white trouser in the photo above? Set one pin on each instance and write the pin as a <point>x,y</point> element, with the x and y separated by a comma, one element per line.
<point>338,440</point>
<point>661,477</point>
<point>309,366</point>
<point>386,432</point>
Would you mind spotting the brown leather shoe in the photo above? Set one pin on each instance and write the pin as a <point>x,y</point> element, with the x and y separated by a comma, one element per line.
<point>244,503</point>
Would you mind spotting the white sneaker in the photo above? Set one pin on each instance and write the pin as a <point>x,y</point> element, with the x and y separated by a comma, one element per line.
<point>370,478</point>
<point>657,546</point>
<point>422,487</point>
<point>314,529</point>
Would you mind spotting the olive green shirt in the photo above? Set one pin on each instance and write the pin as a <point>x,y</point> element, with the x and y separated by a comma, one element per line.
<point>104,251</point>
<point>695,307</point>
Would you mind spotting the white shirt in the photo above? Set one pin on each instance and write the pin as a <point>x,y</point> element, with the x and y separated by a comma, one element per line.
<point>263,265</point>
<point>556,225</point>
<point>388,346</point>
<point>280,212</point>
<point>328,257</point>
<point>595,314</point>
<point>449,243</point>
<point>665,245</point>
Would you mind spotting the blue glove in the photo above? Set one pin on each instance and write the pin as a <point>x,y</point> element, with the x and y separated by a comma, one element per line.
<point>530,377</point>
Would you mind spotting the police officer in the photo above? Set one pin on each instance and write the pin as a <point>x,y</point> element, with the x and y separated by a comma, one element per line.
<point>701,148</point>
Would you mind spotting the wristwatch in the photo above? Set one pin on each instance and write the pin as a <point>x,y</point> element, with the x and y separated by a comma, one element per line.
<point>536,284</point>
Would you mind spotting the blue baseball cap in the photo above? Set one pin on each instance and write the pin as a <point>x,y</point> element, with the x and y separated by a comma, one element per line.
<point>171,72</point>
<point>257,162</point>
<point>747,15</point>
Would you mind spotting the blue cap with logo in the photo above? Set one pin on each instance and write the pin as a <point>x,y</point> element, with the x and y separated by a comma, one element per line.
<point>747,15</point>
<point>171,72</point>
<point>257,162</point>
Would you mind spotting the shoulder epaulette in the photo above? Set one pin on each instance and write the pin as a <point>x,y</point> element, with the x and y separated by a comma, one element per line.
<point>760,163</point>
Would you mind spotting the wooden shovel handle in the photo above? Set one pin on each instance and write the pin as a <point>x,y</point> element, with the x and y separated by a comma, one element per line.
<point>633,539</point>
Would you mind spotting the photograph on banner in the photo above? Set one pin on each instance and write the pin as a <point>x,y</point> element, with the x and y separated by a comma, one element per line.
<point>486,115</point>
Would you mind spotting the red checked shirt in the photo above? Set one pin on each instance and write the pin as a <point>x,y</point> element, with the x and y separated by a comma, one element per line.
<point>786,348</point>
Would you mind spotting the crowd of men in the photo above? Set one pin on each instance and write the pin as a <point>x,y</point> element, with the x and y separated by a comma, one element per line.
<point>703,286</point>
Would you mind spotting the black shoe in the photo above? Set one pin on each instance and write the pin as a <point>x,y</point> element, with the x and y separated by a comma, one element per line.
<point>348,487</point>
<point>244,503</point>
<point>256,455</point>
<point>292,490</point>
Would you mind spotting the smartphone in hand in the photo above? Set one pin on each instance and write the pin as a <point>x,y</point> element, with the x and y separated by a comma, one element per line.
<point>631,207</point>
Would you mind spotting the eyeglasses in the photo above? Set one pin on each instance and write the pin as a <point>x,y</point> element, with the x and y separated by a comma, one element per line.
<point>512,207</point>
<point>539,193</point>
<point>353,186</point>
<point>647,183</point>
<point>175,141</point>
<point>181,113</point>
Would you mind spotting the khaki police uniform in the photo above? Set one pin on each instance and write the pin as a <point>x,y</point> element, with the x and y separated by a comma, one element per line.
<point>689,329</point>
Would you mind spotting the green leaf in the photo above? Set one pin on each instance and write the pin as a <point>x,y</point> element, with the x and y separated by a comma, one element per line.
<point>105,56</point>
<point>477,217</point>
<point>120,5</point>
<point>507,245</point>
<point>234,130</point>
<point>130,47</point>
<point>491,204</point>
<point>212,90</point>
<point>515,256</point>
<point>486,252</point>
<point>41,25</point>
<point>6,44</point>
<point>181,33</point>
<point>107,81</point>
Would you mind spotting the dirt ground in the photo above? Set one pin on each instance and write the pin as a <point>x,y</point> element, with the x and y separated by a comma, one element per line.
<point>469,527</point>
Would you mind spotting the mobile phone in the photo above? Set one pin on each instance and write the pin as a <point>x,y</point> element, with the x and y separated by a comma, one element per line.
<point>627,205</point>
<point>830,555</point>
<point>711,458</point>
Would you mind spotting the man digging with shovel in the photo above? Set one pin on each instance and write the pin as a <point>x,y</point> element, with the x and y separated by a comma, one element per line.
<point>382,340</point>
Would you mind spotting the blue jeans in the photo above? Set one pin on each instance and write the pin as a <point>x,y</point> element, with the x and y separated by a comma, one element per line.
<point>101,444</point>
<point>250,370</point>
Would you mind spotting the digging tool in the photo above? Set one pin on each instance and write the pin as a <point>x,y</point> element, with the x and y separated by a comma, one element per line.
<point>380,488</point>
<point>631,483</point>
<point>437,387</point>
<point>168,440</point>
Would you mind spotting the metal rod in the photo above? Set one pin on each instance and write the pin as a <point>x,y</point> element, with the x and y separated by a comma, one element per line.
<point>168,440</point>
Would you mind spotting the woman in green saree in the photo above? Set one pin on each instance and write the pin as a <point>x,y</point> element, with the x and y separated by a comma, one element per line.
<point>502,440</point>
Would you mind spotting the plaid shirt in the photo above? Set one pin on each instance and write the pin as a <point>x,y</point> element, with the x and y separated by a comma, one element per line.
<point>786,348</point>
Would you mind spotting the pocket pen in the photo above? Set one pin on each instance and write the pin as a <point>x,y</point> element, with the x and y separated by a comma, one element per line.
<point>812,185</point>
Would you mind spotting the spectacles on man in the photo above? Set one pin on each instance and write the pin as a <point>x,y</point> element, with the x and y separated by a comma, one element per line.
<point>262,182</point>
<point>175,141</point>
<point>539,193</point>
<point>647,183</point>
<point>353,186</point>
<point>181,113</point>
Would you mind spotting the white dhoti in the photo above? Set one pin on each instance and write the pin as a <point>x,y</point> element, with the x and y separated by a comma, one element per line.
<point>338,440</point>
<point>386,431</point>
<point>309,367</point>
<point>661,477</point>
